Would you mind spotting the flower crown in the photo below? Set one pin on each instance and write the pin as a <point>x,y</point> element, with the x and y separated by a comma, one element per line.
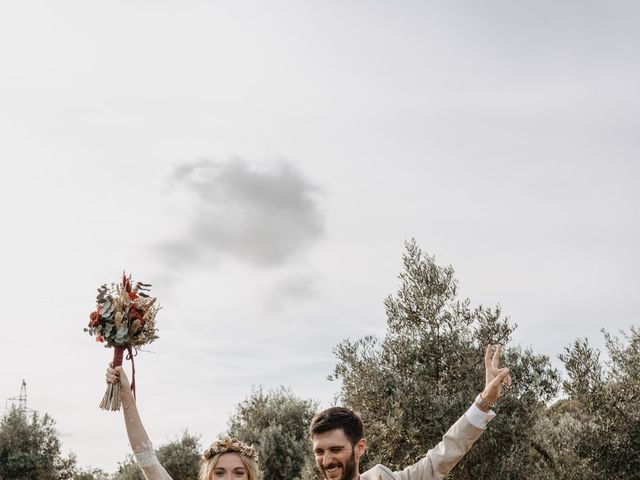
<point>229,445</point>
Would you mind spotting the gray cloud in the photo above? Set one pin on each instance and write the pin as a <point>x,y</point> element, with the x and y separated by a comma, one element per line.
<point>263,217</point>
<point>293,287</point>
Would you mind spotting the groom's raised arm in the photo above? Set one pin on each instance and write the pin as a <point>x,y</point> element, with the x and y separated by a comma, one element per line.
<point>441,459</point>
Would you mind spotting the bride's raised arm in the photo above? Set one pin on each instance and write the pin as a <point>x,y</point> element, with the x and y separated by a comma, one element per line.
<point>138,438</point>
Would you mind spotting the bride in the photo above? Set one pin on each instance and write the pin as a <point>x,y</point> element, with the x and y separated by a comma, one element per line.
<point>224,460</point>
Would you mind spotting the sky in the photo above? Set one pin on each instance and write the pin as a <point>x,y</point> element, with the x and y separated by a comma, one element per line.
<point>263,163</point>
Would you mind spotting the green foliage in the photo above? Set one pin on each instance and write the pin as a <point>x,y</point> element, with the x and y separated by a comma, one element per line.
<point>30,448</point>
<point>179,457</point>
<point>555,436</point>
<point>607,404</point>
<point>91,474</point>
<point>412,385</point>
<point>128,470</point>
<point>276,422</point>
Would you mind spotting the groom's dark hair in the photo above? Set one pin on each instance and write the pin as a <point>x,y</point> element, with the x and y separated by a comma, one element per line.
<point>338,417</point>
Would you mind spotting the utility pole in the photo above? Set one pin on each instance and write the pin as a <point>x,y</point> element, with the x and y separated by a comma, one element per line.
<point>21,399</point>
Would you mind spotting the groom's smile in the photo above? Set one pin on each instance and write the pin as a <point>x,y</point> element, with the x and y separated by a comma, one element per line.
<point>335,456</point>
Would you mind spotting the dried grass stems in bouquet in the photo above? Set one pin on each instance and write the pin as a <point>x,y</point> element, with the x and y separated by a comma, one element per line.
<point>124,319</point>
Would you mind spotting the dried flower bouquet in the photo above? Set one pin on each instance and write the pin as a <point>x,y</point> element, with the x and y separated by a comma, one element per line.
<point>124,319</point>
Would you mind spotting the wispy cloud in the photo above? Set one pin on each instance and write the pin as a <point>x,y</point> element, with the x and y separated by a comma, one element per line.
<point>260,216</point>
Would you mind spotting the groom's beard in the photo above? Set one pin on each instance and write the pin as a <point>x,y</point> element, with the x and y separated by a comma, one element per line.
<point>348,469</point>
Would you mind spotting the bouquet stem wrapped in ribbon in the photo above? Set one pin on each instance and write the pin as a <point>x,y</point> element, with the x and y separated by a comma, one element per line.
<point>124,319</point>
<point>111,399</point>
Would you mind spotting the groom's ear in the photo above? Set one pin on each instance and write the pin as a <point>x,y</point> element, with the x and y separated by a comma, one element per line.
<point>360,447</point>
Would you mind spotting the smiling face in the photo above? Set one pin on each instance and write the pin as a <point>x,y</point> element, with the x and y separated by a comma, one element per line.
<point>336,458</point>
<point>229,467</point>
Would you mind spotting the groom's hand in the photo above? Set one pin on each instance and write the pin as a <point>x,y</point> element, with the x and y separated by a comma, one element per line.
<point>495,376</point>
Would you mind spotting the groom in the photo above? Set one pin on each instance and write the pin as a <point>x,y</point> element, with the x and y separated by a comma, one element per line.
<point>338,436</point>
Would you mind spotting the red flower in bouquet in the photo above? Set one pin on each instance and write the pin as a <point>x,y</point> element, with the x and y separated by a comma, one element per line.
<point>126,284</point>
<point>136,313</point>
<point>94,319</point>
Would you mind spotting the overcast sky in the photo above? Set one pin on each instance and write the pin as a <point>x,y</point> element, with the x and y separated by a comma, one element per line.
<point>262,163</point>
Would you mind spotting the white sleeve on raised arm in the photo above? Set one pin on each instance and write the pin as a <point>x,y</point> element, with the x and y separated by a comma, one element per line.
<point>477,417</point>
<point>149,464</point>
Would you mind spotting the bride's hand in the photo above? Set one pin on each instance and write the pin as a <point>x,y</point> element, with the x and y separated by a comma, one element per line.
<point>115,375</point>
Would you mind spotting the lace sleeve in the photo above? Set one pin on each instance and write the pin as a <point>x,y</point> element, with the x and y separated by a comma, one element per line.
<point>149,464</point>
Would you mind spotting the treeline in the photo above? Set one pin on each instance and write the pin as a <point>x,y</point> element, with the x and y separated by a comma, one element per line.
<point>410,386</point>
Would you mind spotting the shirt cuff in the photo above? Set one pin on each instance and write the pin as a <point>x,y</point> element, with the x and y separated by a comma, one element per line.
<point>477,417</point>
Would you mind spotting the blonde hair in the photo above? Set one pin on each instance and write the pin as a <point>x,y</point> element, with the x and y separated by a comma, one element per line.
<point>206,470</point>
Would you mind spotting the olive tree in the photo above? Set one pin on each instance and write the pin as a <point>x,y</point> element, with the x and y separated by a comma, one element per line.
<point>30,448</point>
<point>606,395</point>
<point>276,422</point>
<point>411,385</point>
